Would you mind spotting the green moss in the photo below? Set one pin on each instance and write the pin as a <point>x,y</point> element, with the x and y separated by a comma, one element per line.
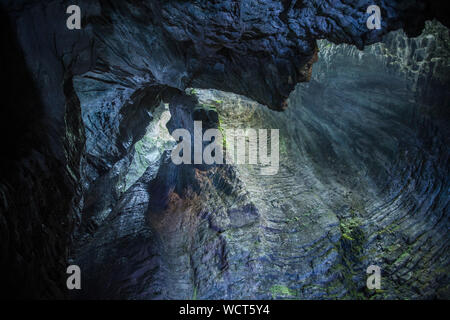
<point>281,290</point>
<point>349,228</point>
<point>392,248</point>
<point>404,256</point>
<point>389,229</point>
<point>294,220</point>
<point>222,131</point>
<point>351,249</point>
<point>283,148</point>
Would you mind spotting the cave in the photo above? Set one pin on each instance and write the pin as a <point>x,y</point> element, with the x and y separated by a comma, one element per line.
<point>88,178</point>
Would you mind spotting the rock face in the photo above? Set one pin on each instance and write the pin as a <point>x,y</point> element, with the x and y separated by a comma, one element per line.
<point>79,101</point>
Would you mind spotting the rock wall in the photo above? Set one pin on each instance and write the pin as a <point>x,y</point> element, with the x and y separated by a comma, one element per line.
<point>83,98</point>
<point>362,181</point>
<point>43,138</point>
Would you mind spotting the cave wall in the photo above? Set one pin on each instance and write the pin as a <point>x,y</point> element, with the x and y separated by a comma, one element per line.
<point>44,136</point>
<point>422,61</point>
<point>261,50</point>
<point>360,183</point>
<point>400,137</point>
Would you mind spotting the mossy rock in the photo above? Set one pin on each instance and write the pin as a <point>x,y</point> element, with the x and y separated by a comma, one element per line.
<point>282,291</point>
